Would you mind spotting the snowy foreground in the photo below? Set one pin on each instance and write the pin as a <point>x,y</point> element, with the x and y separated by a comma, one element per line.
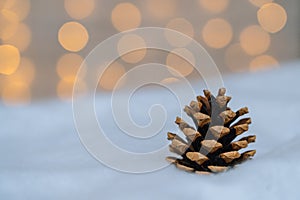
<point>41,156</point>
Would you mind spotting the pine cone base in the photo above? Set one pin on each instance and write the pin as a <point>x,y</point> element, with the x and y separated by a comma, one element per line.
<point>211,145</point>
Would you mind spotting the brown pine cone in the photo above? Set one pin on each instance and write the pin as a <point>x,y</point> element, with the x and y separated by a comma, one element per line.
<point>212,145</point>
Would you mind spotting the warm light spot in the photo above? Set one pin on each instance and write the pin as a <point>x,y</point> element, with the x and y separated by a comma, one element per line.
<point>272,17</point>
<point>20,7</point>
<point>2,3</point>
<point>183,26</point>
<point>25,72</point>
<point>217,33</point>
<point>68,66</point>
<point>8,23</point>
<point>73,36</point>
<point>161,9</point>
<point>260,3</point>
<point>263,62</point>
<point>183,66</point>
<point>169,80</point>
<point>130,42</point>
<point>214,6</point>
<point>236,58</point>
<point>16,93</point>
<point>254,40</point>
<point>65,88</point>
<point>79,9</point>
<point>21,39</point>
<point>1,84</point>
<point>9,59</point>
<point>126,16</point>
<point>111,76</point>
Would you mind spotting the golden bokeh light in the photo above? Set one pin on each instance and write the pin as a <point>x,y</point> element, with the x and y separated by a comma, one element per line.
<point>260,3</point>
<point>25,72</point>
<point>1,84</point>
<point>2,3</point>
<point>169,80</point>
<point>254,40</point>
<point>111,76</point>
<point>21,38</point>
<point>132,41</point>
<point>263,62</point>
<point>20,7</point>
<point>16,93</point>
<point>272,17</point>
<point>214,6</point>
<point>182,66</point>
<point>9,59</point>
<point>79,9</point>
<point>8,23</point>
<point>161,9</point>
<point>180,25</point>
<point>236,58</point>
<point>68,65</point>
<point>125,16</point>
<point>217,33</point>
<point>73,36</point>
<point>64,88</point>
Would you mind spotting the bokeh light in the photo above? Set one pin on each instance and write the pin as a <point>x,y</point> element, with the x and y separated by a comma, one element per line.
<point>179,64</point>
<point>260,3</point>
<point>73,36</point>
<point>9,59</point>
<point>236,58</point>
<point>169,80</point>
<point>21,38</point>
<point>272,17</point>
<point>20,7</point>
<point>9,23</point>
<point>16,93</point>
<point>68,65</point>
<point>1,84</point>
<point>235,44</point>
<point>24,74</point>
<point>254,40</point>
<point>125,16</point>
<point>180,25</point>
<point>217,33</point>
<point>2,3</point>
<point>79,9</point>
<point>132,41</point>
<point>161,9</point>
<point>65,89</point>
<point>263,62</point>
<point>214,6</point>
<point>111,76</point>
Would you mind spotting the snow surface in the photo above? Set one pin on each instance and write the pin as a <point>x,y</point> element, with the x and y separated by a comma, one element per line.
<point>41,156</point>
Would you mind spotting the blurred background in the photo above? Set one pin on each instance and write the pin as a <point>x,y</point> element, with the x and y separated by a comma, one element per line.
<point>43,43</point>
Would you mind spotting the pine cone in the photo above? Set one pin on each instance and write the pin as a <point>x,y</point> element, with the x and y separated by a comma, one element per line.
<point>212,146</point>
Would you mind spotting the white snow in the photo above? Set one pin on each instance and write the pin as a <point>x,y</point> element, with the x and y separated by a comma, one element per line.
<point>41,156</point>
